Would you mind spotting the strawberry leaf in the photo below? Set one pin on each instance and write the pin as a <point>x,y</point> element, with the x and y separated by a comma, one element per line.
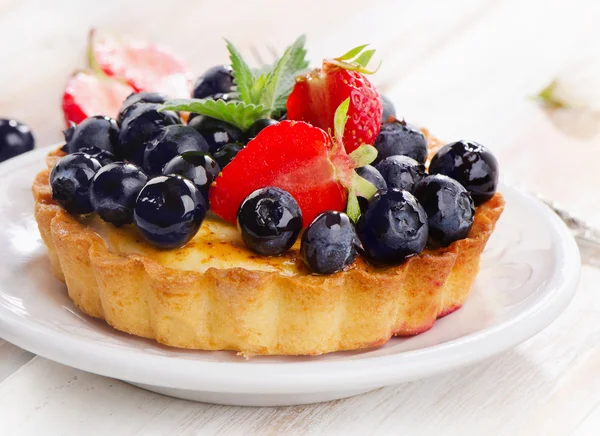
<point>242,74</point>
<point>364,58</point>
<point>351,54</point>
<point>238,113</point>
<point>363,155</point>
<point>91,56</point>
<point>363,187</point>
<point>352,207</point>
<point>339,120</point>
<point>356,60</point>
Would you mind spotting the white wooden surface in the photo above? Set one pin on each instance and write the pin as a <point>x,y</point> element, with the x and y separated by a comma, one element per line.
<point>461,68</point>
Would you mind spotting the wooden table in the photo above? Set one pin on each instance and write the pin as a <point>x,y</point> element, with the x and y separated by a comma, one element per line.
<point>463,69</point>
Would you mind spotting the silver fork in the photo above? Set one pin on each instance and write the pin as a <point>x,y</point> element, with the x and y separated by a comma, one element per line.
<point>587,236</point>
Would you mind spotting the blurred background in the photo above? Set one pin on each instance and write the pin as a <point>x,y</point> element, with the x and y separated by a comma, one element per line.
<point>463,68</point>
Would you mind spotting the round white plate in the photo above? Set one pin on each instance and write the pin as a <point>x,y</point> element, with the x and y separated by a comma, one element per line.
<point>528,274</point>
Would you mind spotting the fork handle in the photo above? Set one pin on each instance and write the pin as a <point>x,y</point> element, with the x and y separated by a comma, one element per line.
<point>587,237</point>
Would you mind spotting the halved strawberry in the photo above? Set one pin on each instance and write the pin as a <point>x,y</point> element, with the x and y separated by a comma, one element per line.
<point>301,159</point>
<point>317,95</point>
<point>145,66</point>
<point>293,156</point>
<point>88,93</point>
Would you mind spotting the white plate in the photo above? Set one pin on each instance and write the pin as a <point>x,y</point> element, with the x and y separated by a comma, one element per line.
<point>529,272</point>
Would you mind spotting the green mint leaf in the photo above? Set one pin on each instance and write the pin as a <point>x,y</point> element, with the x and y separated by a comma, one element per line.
<point>295,65</point>
<point>297,61</point>
<point>269,85</point>
<point>363,155</point>
<point>242,74</point>
<point>352,53</point>
<point>238,113</point>
<point>352,206</point>
<point>258,88</point>
<point>339,120</point>
<point>269,95</point>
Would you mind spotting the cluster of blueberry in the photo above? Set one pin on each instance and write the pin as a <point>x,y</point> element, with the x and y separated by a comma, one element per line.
<point>146,167</point>
<point>412,209</point>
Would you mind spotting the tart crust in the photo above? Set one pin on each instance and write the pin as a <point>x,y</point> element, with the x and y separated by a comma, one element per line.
<point>259,312</point>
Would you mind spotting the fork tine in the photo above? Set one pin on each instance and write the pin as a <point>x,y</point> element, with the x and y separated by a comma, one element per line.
<point>257,56</point>
<point>273,52</point>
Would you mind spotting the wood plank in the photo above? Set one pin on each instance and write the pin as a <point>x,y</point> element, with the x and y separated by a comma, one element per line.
<point>11,359</point>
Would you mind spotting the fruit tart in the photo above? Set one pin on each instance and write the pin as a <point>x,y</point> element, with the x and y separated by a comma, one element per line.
<point>294,213</point>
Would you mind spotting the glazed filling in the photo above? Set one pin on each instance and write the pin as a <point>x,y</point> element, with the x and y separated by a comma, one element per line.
<point>216,245</point>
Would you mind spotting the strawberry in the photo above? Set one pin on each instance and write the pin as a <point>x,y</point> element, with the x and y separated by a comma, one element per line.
<point>88,93</point>
<point>145,66</point>
<point>299,158</point>
<point>318,94</point>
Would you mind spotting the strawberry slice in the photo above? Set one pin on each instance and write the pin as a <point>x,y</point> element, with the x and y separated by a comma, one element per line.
<point>88,94</point>
<point>317,95</point>
<point>145,66</point>
<point>293,156</point>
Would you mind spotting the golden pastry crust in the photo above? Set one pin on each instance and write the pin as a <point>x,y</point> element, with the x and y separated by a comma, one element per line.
<point>258,312</point>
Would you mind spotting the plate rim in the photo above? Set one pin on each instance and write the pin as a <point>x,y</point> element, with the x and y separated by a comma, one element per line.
<point>313,376</point>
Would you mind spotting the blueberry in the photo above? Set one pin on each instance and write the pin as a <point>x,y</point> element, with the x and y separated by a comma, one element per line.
<point>169,211</point>
<point>93,135</point>
<point>224,155</point>
<point>170,142</point>
<point>388,109</point>
<point>70,180</point>
<point>257,126</point>
<point>216,80</point>
<point>471,165</point>
<point>401,172</point>
<point>102,156</point>
<point>399,138</point>
<point>15,139</point>
<point>371,174</point>
<point>329,243</point>
<point>137,98</point>
<point>198,167</point>
<point>270,221</point>
<point>231,96</point>
<point>393,227</point>
<point>216,132</point>
<point>142,124</point>
<point>114,190</point>
<point>449,209</point>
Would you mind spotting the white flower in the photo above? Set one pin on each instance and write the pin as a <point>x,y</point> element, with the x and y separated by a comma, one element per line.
<point>572,100</point>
